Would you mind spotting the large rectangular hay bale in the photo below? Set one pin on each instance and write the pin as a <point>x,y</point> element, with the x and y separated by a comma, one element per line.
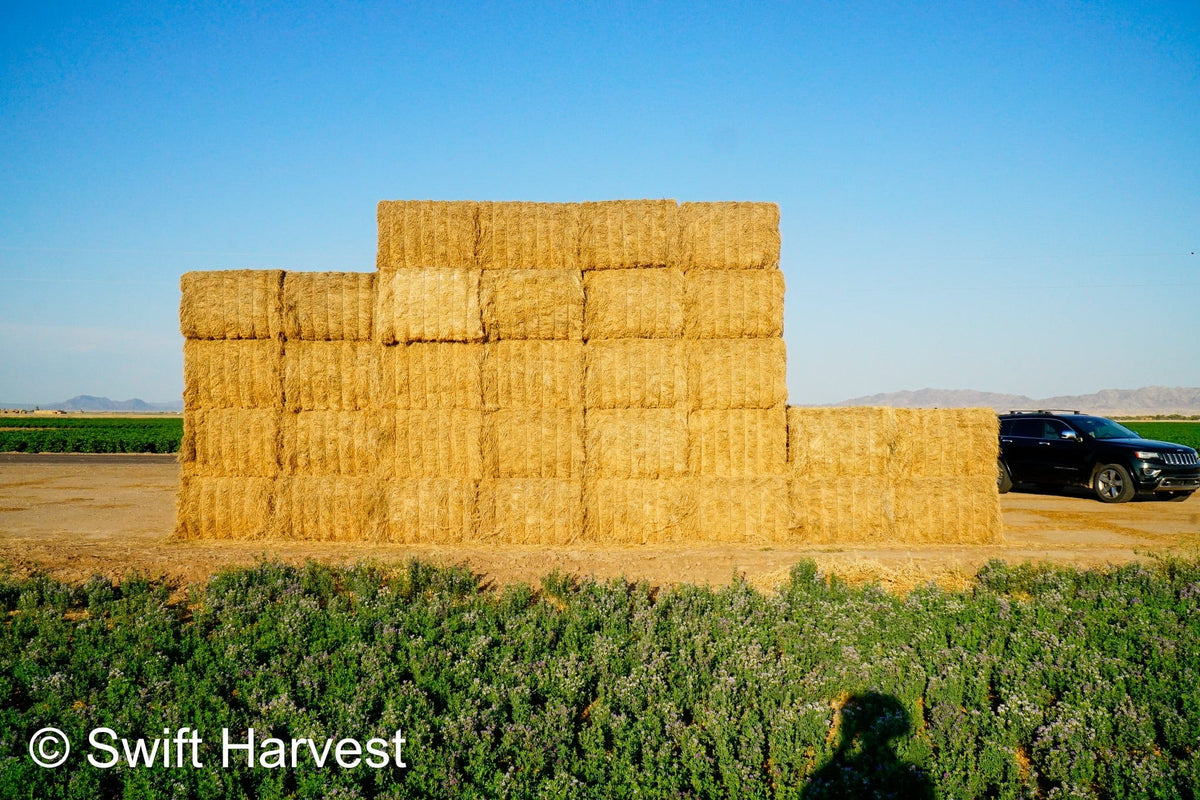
<point>842,442</point>
<point>736,373</point>
<point>532,304</point>
<point>743,510</point>
<point>231,304</point>
<point>432,510</point>
<point>330,509</point>
<point>636,373</point>
<point>431,375</point>
<point>223,442</point>
<point>738,442</point>
<point>533,443</point>
<point>733,304</point>
<point>330,376</point>
<point>222,373</point>
<point>328,306</point>
<point>529,235</point>
<point>428,304</point>
<point>533,374</point>
<point>438,443</point>
<point>961,510</point>
<point>544,511</point>
<point>947,442</point>
<point>729,235</point>
<point>634,304</point>
<point>620,511</point>
<point>625,234</point>
<point>415,234</point>
<point>335,442</point>
<point>848,510</point>
<point>637,443</point>
<point>224,507</point>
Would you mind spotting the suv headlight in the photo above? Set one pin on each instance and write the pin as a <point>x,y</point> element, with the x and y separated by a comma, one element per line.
<point>1145,455</point>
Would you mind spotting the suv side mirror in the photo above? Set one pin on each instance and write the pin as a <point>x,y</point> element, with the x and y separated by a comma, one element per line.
<point>1069,435</point>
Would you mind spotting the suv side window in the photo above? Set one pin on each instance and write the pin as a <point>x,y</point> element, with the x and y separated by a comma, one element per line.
<point>1054,429</point>
<point>1030,428</point>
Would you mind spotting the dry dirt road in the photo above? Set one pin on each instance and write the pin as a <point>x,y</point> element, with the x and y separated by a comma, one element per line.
<point>75,516</point>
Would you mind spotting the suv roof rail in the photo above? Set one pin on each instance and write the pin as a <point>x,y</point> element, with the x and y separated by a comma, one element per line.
<point>1045,411</point>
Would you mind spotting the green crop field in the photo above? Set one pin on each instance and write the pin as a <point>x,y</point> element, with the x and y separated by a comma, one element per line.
<point>1037,682</point>
<point>90,434</point>
<point>1168,431</point>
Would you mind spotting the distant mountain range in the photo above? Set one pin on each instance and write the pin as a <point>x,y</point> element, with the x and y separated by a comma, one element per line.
<point>1149,400</point>
<point>87,402</point>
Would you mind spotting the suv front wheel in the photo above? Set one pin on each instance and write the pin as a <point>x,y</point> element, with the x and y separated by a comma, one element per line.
<point>1112,484</point>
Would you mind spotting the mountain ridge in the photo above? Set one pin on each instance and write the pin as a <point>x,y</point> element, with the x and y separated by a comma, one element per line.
<point>1151,400</point>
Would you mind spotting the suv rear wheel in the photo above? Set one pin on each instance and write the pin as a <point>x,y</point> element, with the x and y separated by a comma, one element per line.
<point>1003,478</point>
<point>1112,484</point>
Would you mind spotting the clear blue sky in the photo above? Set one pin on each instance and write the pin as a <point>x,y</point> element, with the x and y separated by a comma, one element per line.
<point>998,196</point>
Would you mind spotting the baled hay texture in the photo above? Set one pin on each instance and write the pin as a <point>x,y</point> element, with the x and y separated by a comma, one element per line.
<point>733,304</point>
<point>432,510</point>
<point>624,234</point>
<point>947,443</point>
<point>224,442</point>
<point>330,376</point>
<point>636,373</point>
<point>533,374</point>
<point>428,304</point>
<point>744,510</point>
<point>738,443</point>
<point>851,442</point>
<point>431,375</point>
<point>634,304</point>
<point>545,511</point>
<point>729,235</point>
<point>233,374</point>
<point>532,304</point>
<point>438,443</point>
<point>330,509</point>
<point>848,510</point>
<point>634,511</point>
<point>424,233</point>
<point>737,373</point>
<point>537,443</point>
<point>961,510</point>
<point>529,236</point>
<point>231,304</point>
<point>224,508</point>
<point>637,443</point>
<point>328,306</point>
<point>335,442</point>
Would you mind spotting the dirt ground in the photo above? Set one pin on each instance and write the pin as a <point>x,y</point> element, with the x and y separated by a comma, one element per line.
<point>74,516</point>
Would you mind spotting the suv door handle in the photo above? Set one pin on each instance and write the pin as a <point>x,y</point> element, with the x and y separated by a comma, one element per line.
<point>1044,444</point>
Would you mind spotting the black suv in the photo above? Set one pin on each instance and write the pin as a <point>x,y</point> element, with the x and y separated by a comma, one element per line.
<point>1066,448</point>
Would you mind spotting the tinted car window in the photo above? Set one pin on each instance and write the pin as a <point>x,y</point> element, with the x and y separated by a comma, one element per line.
<point>1054,429</point>
<point>1033,428</point>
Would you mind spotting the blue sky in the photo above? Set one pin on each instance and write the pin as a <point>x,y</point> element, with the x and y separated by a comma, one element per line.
<point>998,196</point>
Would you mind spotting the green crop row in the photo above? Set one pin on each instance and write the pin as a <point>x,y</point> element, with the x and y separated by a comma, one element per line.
<point>91,435</point>
<point>1038,682</point>
<point>1179,432</point>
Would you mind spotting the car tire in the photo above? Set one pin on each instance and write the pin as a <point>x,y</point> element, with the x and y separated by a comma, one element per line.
<point>1003,478</point>
<point>1111,484</point>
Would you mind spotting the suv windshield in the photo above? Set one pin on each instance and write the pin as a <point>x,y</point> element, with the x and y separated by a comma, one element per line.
<point>1101,428</point>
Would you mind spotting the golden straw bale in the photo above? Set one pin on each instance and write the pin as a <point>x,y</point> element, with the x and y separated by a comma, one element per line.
<point>330,376</point>
<point>637,443</point>
<point>231,304</point>
<point>233,374</point>
<point>743,510</point>
<point>624,234</point>
<point>634,304</point>
<point>529,236</point>
<point>438,443</point>
<point>428,304</point>
<point>729,235</point>
<point>532,304</point>
<point>946,443</point>
<point>431,375</point>
<point>850,509</point>
<point>738,442</point>
<point>222,442</point>
<point>842,442</point>
<point>533,443</point>
<point>335,442</point>
<point>432,510</point>
<point>733,304</point>
<point>426,233</point>
<point>544,511</point>
<point>623,511</point>
<point>964,510</point>
<point>328,306</point>
<point>736,373</point>
<point>636,373</point>
<point>533,374</point>
<point>224,507</point>
<point>330,509</point>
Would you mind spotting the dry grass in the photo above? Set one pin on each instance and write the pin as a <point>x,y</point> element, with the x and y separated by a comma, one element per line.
<point>621,511</point>
<point>533,374</point>
<point>626,234</point>
<point>225,507</point>
<point>428,304</point>
<point>634,304</point>
<point>733,304</point>
<point>744,510</point>
<point>432,510</point>
<point>532,304</point>
<point>545,511</point>
<point>438,443</point>
<point>635,373</point>
<point>843,442</point>
<point>318,443</point>
<point>329,508</point>
<point>330,376</point>
<point>427,375</point>
<point>415,234</point>
<point>736,373</point>
<point>529,236</point>
<point>738,443</point>
<point>230,442</point>
<point>231,304</point>
<point>728,236</point>
<point>233,374</point>
<point>533,443</point>
<point>637,443</point>
<point>328,306</point>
